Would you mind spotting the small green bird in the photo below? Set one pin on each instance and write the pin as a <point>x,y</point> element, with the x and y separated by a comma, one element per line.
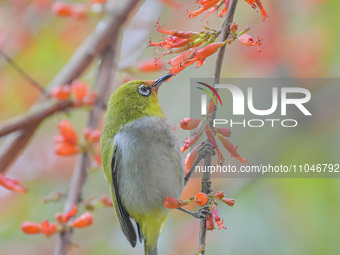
<point>142,160</point>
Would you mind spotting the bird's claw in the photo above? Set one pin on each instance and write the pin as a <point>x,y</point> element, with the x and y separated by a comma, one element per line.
<point>201,213</point>
<point>206,147</point>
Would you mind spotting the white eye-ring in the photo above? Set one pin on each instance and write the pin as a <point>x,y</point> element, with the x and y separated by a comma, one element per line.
<point>144,90</point>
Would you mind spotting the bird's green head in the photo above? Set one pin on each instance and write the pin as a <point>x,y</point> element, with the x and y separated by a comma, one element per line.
<point>134,100</point>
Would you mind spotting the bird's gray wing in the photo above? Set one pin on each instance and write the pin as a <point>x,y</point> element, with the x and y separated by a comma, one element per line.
<point>122,215</point>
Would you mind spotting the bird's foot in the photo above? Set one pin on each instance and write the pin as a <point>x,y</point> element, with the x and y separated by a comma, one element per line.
<point>200,214</point>
<point>206,147</point>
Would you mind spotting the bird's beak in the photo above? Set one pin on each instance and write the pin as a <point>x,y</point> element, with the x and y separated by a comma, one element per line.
<point>159,81</point>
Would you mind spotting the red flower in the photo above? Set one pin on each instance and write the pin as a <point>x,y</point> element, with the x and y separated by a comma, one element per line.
<point>225,9</point>
<point>205,5</point>
<point>219,195</point>
<point>212,140</point>
<point>67,142</point>
<point>67,131</point>
<point>48,229</point>
<point>150,65</point>
<point>180,34</point>
<point>229,201</point>
<point>174,203</point>
<point>61,92</point>
<point>105,200</point>
<point>62,9</point>
<point>201,199</point>
<point>205,52</point>
<point>188,123</point>
<point>11,184</point>
<point>64,218</point>
<point>230,147</point>
<point>66,149</point>
<point>31,228</point>
<point>247,40</point>
<point>216,217</point>
<point>190,158</point>
<point>223,131</point>
<point>82,221</point>
<point>79,90</point>
<point>209,223</point>
<point>258,3</point>
<point>190,141</point>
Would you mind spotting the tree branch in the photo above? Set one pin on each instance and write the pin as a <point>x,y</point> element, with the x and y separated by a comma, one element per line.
<point>104,81</point>
<point>206,180</point>
<point>91,48</point>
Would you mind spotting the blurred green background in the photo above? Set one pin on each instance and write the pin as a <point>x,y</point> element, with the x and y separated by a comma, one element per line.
<point>271,216</point>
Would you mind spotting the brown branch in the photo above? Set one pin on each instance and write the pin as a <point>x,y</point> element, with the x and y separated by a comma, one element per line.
<point>206,180</point>
<point>21,72</point>
<point>104,81</point>
<point>78,63</point>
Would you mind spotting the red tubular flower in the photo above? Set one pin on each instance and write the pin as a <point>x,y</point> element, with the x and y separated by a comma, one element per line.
<point>190,158</point>
<point>62,9</point>
<point>61,92</point>
<point>11,184</point>
<point>251,2</point>
<point>228,201</point>
<point>209,223</point>
<point>174,203</point>
<point>230,147</point>
<point>48,229</point>
<point>188,123</point>
<point>180,34</point>
<point>216,217</point>
<point>205,5</point>
<point>82,221</point>
<point>201,199</point>
<point>67,132</point>
<point>190,141</point>
<point>66,149</point>
<point>79,90</point>
<point>263,11</point>
<point>219,195</point>
<point>225,9</point>
<point>223,131</point>
<point>31,228</point>
<point>247,40</point>
<point>212,140</point>
<point>150,65</point>
<point>205,52</point>
<point>64,218</point>
<point>181,59</point>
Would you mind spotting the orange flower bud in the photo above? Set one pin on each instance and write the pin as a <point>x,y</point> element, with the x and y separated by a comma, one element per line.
<point>219,195</point>
<point>61,93</point>
<point>48,228</point>
<point>188,123</point>
<point>150,65</point>
<point>223,131</point>
<point>228,145</point>
<point>62,9</point>
<point>216,217</point>
<point>31,228</point>
<point>228,201</point>
<point>82,221</point>
<point>92,136</point>
<point>79,90</point>
<point>190,141</point>
<point>11,184</point>
<point>209,223</point>
<point>233,28</point>
<point>63,218</point>
<point>174,203</point>
<point>247,40</point>
<point>67,132</point>
<point>201,199</point>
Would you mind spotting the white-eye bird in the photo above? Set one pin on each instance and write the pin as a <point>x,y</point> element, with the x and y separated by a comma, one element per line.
<point>142,161</point>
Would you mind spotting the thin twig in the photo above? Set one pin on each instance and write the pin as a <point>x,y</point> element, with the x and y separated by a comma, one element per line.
<point>21,72</point>
<point>103,83</point>
<point>206,180</point>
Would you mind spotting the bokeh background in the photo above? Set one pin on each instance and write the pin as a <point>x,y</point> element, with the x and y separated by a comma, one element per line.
<point>271,216</point>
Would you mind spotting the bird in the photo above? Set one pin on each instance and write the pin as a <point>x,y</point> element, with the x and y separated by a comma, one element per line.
<point>142,161</point>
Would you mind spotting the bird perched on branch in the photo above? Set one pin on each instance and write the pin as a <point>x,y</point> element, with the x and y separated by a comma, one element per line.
<point>142,161</point>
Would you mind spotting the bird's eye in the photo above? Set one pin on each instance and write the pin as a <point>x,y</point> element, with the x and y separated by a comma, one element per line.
<point>144,90</point>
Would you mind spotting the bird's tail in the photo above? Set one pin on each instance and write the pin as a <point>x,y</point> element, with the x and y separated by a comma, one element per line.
<point>148,251</point>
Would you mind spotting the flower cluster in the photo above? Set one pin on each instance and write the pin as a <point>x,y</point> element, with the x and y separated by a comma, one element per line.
<point>63,221</point>
<point>212,6</point>
<point>77,11</point>
<point>78,91</point>
<point>203,199</point>
<point>11,184</point>
<point>67,142</point>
